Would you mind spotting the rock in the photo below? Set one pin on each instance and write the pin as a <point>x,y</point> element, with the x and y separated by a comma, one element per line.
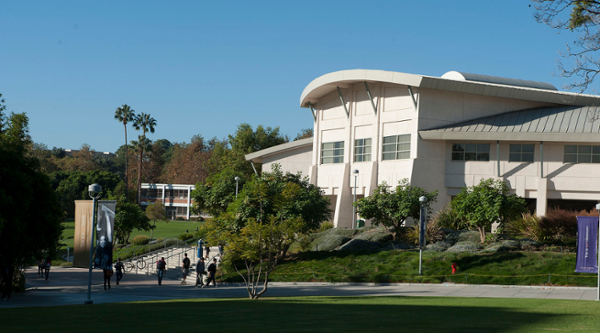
<point>494,248</point>
<point>397,246</point>
<point>437,247</point>
<point>527,244</point>
<point>380,235</point>
<point>511,245</point>
<point>360,245</point>
<point>332,239</point>
<point>463,236</point>
<point>465,246</point>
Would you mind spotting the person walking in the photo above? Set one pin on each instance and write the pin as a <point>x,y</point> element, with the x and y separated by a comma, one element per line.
<point>207,250</point>
<point>41,266</point>
<point>108,273</point>
<point>161,267</point>
<point>119,268</point>
<point>47,267</point>
<point>212,272</point>
<point>185,268</point>
<point>199,272</point>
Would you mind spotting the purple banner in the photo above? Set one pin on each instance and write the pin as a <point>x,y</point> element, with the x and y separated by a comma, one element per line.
<point>587,243</point>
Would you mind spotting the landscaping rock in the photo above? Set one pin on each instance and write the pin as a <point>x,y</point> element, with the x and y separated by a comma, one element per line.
<point>332,239</point>
<point>397,246</point>
<point>437,247</point>
<point>527,244</point>
<point>360,245</point>
<point>493,248</point>
<point>511,245</point>
<point>462,236</point>
<point>380,235</point>
<point>465,246</point>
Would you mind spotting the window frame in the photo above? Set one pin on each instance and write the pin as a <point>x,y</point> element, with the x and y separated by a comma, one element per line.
<point>581,155</point>
<point>468,153</point>
<point>399,141</point>
<point>512,152</point>
<point>337,146</point>
<point>363,156</point>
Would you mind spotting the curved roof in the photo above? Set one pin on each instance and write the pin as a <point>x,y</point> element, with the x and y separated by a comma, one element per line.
<point>458,82</point>
<point>461,76</point>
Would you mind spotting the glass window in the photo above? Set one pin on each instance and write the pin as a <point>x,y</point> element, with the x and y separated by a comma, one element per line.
<point>362,150</point>
<point>470,151</point>
<point>581,154</point>
<point>521,153</point>
<point>332,152</point>
<point>396,147</point>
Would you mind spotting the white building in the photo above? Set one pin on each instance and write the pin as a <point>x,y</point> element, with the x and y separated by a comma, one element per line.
<point>445,133</point>
<point>176,198</point>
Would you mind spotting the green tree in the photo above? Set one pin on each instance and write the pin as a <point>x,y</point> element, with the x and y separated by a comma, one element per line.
<point>156,211</point>
<point>30,217</point>
<point>218,193</point>
<point>125,114</point>
<point>391,208</point>
<point>129,217</point>
<point>305,133</point>
<point>145,123</point>
<point>582,17</point>
<point>487,202</point>
<point>71,186</point>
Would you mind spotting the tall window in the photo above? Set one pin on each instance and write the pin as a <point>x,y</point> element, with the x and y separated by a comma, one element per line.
<point>332,152</point>
<point>582,154</point>
<point>470,151</point>
<point>521,153</point>
<point>396,147</point>
<point>362,150</point>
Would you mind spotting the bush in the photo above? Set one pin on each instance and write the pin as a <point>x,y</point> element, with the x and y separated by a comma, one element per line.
<point>325,226</point>
<point>185,236</point>
<point>140,240</point>
<point>447,218</point>
<point>432,233</point>
<point>527,226</point>
<point>305,242</point>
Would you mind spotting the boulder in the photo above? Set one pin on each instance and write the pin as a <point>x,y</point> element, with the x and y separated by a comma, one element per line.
<point>510,245</point>
<point>380,235</point>
<point>462,236</point>
<point>360,245</point>
<point>331,239</point>
<point>465,246</point>
<point>494,248</point>
<point>527,244</point>
<point>437,247</point>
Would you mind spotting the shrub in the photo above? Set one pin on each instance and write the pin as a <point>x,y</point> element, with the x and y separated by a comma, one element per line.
<point>447,218</point>
<point>432,233</point>
<point>140,240</point>
<point>325,226</point>
<point>305,242</point>
<point>185,236</point>
<point>528,226</point>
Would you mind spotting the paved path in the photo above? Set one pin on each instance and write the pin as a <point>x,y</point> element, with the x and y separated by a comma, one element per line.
<point>69,286</point>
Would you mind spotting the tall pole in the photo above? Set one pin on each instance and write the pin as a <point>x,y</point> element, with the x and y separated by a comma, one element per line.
<point>422,228</point>
<point>354,226</point>
<point>237,179</point>
<point>94,192</point>
<point>598,260</point>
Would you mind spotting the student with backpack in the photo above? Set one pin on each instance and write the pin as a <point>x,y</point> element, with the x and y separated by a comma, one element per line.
<point>212,272</point>
<point>161,267</point>
<point>119,268</point>
<point>185,270</point>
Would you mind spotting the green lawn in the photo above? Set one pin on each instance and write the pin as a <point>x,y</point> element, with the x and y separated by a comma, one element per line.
<point>515,268</point>
<point>315,314</point>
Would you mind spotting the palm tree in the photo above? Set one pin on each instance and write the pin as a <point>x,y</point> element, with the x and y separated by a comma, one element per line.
<point>125,114</point>
<point>143,122</point>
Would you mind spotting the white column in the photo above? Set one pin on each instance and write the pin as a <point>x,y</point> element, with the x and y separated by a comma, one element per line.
<point>189,197</point>
<point>542,197</point>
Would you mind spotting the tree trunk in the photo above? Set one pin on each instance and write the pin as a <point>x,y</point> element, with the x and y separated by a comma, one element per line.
<point>481,234</point>
<point>126,162</point>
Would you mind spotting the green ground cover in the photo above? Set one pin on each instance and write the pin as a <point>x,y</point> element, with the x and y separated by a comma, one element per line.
<point>515,268</point>
<point>316,314</point>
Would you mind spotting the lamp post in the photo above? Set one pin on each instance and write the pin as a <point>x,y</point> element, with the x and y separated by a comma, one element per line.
<point>94,193</point>
<point>422,228</point>
<point>355,172</point>
<point>237,180</point>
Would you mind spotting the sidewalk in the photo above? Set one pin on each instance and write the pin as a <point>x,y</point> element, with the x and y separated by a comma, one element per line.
<point>68,286</point>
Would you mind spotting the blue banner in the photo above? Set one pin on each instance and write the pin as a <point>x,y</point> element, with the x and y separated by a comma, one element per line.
<point>587,244</point>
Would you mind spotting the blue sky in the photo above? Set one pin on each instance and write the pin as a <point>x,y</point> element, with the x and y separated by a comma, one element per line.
<point>202,67</point>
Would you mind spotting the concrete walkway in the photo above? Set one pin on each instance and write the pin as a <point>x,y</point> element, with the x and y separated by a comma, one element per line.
<point>68,286</point>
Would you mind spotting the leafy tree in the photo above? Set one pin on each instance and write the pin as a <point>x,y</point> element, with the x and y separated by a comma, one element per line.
<point>218,193</point>
<point>261,197</point>
<point>156,211</point>
<point>188,162</point>
<point>487,202</point>
<point>305,133</point>
<point>582,17</point>
<point>125,114</point>
<point>391,208</point>
<point>145,123</point>
<point>30,218</point>
<point>71,186</point>
<point>129,217</point>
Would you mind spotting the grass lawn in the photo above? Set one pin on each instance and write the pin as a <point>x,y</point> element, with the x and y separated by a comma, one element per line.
<point>516,268</point>
<point>315,314</point>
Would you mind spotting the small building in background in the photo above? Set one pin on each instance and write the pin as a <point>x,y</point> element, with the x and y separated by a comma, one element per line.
<point>177,199</point>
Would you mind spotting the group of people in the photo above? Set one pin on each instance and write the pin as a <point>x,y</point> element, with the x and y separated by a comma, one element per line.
<point>44,267</point>
<point>201,270</point>
<point>108,273</point>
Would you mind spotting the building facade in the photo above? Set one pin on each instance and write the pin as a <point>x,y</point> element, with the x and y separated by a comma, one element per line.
<point>445,133</point>
<point>176,198</point>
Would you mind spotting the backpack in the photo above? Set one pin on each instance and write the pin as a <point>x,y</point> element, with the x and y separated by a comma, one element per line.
<point>160,265</point>
<point>186,263</point>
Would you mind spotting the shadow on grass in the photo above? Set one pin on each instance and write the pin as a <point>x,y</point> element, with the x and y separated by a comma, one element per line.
<point>320,314</point>
<point>475,261</point>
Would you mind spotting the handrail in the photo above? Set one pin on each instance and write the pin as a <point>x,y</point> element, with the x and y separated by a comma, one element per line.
<point>144,250</point>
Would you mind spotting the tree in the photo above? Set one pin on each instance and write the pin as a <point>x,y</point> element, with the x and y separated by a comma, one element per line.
<point>145,123</point>
<point>582,17</point>
<point>261,198</point>
<point>218,193</point>
<point>30,217</point>
<point>125,114</point>
<point>71,186</point>
<point>487,202</point>
<point>391,208</point>
<point>305,133</point>
<point>156,211</point>
<point>188,162</point>
<point>129,217</point>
